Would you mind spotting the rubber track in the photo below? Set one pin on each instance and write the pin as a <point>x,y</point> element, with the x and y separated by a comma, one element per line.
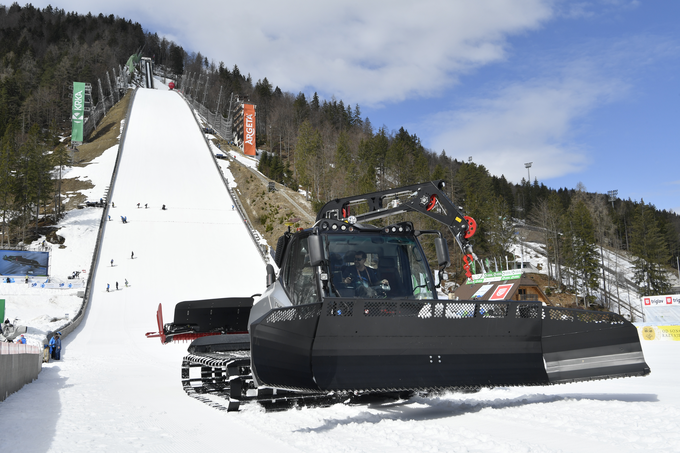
<point>216,386</point>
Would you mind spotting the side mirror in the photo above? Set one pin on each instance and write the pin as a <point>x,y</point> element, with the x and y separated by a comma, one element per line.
<point>442,248</point>
<point>315,245</point>
<point>271,275</point>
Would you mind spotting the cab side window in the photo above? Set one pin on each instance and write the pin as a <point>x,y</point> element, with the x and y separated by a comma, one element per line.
<point>299,279</point>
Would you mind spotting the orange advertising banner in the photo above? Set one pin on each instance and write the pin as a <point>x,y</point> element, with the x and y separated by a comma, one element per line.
<point>249,148</point>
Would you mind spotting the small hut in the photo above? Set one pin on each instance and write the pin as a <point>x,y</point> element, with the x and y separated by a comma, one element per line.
<point>502,286</point>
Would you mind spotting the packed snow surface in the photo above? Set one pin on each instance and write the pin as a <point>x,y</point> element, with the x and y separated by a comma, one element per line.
<point>116,390</point>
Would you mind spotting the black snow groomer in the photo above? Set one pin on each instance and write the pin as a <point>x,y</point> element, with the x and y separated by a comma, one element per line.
<point>354,311</point>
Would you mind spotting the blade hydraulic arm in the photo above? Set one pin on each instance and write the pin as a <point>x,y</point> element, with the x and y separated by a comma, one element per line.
<point>426,198</point>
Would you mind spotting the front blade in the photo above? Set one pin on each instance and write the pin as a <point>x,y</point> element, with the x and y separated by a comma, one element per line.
<point>583,345</point>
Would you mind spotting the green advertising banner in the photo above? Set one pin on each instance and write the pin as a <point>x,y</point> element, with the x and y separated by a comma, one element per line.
<point>78,112</point>
<point>2,310</point>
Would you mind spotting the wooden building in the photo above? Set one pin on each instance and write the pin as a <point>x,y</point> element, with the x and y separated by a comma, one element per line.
<point>517,289</point>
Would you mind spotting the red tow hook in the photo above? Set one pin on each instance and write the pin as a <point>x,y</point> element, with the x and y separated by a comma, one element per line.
<point>468,259</point>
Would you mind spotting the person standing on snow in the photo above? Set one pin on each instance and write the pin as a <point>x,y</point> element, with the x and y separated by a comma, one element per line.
<point>53,341</point>
<point>126,283</point>
<point>132,255</point>
<point>116,286</point>
<point>46,353</point>
<point>107,287</point>
<point>57,347</point>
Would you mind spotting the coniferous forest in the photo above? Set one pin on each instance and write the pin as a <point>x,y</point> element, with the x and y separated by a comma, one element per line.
<point>322,145</point>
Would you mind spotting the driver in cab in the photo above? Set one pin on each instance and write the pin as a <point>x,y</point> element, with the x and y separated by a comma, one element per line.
<point>362,275</point>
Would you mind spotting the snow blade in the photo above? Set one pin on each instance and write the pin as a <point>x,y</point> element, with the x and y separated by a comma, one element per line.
<point>220,343</point>
<point>200,318</point>
<point>373,345</point>
<point>583,345</point>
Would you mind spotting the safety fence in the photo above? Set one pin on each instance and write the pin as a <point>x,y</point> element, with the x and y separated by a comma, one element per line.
<point>191,89</point>
<point>87,294</point>
<point>254,235</point>
<point>108,97</point>
<point>18,348</point>
<point>20,364</point>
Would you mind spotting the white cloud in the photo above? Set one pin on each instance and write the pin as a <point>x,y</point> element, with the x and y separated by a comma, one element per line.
<point>371,52</point>
<point>591,9</point>
<point>529,121</point>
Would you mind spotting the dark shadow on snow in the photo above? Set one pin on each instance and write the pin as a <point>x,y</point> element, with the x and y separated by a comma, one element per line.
<point>438,407</point>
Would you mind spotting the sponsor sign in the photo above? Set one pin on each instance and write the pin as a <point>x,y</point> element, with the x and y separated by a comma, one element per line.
<point>661,301</point>
<point>249,139</point>
<point>78,112</point>
<point>663,333</point>
<point>501,292</point>
<point>481,291</point>
<point>512,274</point>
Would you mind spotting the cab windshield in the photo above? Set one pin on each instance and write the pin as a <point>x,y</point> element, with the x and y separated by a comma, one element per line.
<point>378,266</point>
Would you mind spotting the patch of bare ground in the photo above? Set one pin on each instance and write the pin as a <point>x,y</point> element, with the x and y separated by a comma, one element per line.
<point>551,288</point>
<point>102,138</point>
<point>269,212</point>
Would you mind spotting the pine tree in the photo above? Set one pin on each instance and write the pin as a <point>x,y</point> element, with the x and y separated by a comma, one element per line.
<point>499,228</point>
<point>345,166</point>
<point>308,153</point>
<point>367,166</point>
<point>649,247</point>
<point>8,151</point>
<point>579,248</point>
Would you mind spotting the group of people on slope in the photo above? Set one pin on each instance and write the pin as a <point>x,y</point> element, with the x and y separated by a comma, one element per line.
<point>146,206</point>
<point>52,350</point>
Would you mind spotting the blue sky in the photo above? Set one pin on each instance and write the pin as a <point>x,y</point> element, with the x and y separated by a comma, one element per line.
<point>586,90</point>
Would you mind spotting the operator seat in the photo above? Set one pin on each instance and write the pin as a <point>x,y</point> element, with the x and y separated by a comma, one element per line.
<point>387,268</point>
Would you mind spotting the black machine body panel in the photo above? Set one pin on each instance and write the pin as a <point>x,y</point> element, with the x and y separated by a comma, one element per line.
<point>369,345</point>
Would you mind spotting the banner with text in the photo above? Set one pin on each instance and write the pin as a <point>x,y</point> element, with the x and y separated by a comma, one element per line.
<point>660,301</point>
<point>249,141</point>
<point>78,112</point>
<point>663,333</point>
<point>663,309</point>
<point>512,274</point>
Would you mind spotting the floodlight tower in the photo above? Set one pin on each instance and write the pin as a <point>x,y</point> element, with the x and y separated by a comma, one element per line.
<point>528,166</point>
<point>612,196</point>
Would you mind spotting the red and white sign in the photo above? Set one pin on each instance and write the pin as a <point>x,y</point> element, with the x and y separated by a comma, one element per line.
<point>501,292</point>
<point>660,301</point>
<point>249,141</point>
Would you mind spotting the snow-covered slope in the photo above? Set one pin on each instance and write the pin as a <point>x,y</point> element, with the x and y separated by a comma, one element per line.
<point>116,390</point>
